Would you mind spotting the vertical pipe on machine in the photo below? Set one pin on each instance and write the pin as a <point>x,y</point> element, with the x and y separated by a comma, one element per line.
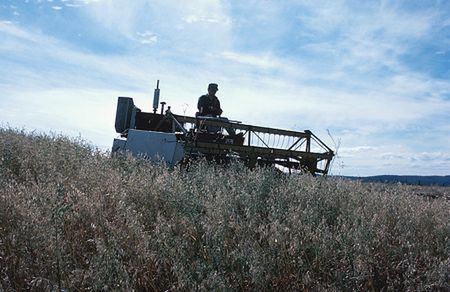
<point>156,97</point>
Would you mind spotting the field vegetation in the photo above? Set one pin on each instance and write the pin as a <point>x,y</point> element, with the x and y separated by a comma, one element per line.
<point>74,218</point>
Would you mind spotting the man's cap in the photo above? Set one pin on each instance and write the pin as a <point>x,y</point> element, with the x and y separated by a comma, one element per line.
<point>213,86</point>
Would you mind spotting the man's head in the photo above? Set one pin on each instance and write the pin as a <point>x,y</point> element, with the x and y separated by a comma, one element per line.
<point>213,88</point>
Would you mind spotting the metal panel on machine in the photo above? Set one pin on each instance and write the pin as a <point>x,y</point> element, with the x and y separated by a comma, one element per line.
<point>125,114</point>
<point>156,146</point>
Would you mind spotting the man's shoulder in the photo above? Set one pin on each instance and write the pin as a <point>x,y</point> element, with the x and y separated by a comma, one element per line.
<point>207,98</point>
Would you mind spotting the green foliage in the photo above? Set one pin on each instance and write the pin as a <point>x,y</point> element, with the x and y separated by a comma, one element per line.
<point>74,218</point>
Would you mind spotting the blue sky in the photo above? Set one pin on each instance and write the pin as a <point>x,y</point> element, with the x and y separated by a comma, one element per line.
<point>373,74</point>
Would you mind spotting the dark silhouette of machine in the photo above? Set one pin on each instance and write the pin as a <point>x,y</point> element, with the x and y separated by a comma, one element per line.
<point>176,139</point>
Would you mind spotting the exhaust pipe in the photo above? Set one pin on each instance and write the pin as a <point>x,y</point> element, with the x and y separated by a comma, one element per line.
<point>156,97</point>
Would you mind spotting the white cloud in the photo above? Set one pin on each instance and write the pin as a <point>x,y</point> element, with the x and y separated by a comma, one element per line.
<point>207,11</point>
<point>262,61</point>
<point>12,29</point>
<point>392,156</point>
<point>87,112</point>
<point>57,7</point>
<point>193,18</point>
<point>357,149</point>
<point>430,156</point>
<point>81,2</point>
<point>147,37</point>
<point>187,25</point>
<point>372,38</point>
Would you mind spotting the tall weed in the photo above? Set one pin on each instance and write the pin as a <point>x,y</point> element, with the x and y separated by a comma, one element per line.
<point>75,218</point>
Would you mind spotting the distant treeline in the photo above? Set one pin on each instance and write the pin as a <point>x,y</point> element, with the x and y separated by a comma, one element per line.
<point>407,179</point>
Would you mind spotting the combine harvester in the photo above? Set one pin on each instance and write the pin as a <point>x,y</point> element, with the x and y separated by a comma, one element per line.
<point>176,139</point>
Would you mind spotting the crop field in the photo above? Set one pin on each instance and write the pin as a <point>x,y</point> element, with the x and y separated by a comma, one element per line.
<point>74,218</point>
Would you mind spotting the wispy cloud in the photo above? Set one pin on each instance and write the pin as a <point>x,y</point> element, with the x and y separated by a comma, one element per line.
<point>264,61</point>
<point>147,37</point>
